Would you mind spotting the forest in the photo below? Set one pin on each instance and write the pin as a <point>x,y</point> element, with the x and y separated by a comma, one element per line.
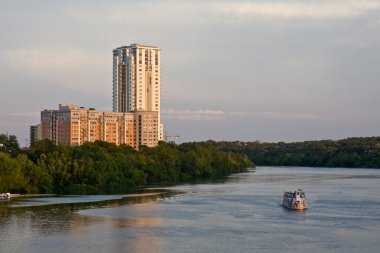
<point>101,167</point>
<point>357,152</point>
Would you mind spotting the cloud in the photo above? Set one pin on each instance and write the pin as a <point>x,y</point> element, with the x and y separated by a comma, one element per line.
<point>295,10</point>
<point>208,114</point>
<point>203,12</point>
<point>9,120</point>
<point>281,115</point>
<point>21,114</point>
<point>65,58</point>
<point>128,14</point>
<point>66,67</point>
<point>202,114</point>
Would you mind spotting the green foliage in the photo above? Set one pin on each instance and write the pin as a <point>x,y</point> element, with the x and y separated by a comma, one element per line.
<point>102,167</point>
<point>11,177</point>
<point>9,145</point>
<point>351,152</point>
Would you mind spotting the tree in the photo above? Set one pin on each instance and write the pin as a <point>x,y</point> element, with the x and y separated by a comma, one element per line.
<point>9,145</point>
<point>12,179</point>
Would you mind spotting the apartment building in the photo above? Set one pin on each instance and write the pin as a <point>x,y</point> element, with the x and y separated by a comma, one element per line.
<point>137,82</point>
<point>136,78</point>
<point>135,119</point>
<point>73,125</point>
<point>35,133</point>
<point>146,128</point>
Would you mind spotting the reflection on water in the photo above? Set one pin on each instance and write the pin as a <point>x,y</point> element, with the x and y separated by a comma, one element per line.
<point>241,214</point>
<point>33,227</point>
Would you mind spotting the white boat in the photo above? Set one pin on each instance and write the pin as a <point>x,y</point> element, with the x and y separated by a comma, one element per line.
<point>294,200</point>
<point>5,196</point>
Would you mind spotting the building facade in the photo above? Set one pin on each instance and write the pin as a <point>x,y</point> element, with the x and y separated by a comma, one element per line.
<point>137,82</point>
<point>136,78</point>
<point>135,119</point>
<point>72,125</point>
<point>35,133</point>
<point>146,128</point>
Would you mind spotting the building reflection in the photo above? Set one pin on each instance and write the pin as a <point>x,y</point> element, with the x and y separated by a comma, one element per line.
<point>124,225</point>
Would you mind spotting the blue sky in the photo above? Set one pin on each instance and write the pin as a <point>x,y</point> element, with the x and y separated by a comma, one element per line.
<point>231,70</point>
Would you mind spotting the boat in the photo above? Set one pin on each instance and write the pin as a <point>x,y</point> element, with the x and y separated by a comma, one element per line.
<point>294,200</point>
<point>5,196</point>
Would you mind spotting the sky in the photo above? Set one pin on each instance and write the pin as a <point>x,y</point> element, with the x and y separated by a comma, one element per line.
<point>267,70</point>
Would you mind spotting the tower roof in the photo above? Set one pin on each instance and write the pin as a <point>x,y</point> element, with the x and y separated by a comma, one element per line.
<point>136,45</point>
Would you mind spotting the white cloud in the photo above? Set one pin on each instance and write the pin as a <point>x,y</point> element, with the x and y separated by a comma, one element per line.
<point>203,114</point>
<point>281,115</point>
<point>321,10</point>
<point>22,114</point>
<point>208,114</point>
<point>180,13</point>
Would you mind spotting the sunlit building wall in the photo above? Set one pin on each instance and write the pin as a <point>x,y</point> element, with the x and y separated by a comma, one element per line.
<point>72,125</point>
<point>48,125</point>
<point>136,78</point>
<point>136,83</point>
<point>146,128</point>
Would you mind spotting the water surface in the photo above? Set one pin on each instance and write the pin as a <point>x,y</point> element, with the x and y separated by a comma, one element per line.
<point>241,214</point>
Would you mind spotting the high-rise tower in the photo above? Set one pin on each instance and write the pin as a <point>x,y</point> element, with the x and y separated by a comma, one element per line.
<point>136,78</point>
<point>136,88</point>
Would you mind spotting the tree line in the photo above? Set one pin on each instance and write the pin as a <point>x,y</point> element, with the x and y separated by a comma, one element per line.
<point>357,152</point>
<point>102,167</point>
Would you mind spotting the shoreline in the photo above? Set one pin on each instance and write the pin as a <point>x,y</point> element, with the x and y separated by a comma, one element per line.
<point>32,195</point>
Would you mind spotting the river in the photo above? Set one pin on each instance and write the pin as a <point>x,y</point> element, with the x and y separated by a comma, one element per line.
<point>239,214</point>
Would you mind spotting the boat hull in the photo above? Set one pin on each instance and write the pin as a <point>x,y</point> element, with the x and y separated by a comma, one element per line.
<point>293,207</point>
<point>294,200</point>
<point>5,196</point>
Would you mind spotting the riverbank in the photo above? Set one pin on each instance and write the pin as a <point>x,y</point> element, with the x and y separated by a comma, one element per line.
<point>34,195</point>
<point>80,202</point>
<point>105,168</point>
<point>357,152</point>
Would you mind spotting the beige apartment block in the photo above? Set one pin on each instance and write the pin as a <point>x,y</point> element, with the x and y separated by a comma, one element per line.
<point>135,119</point>
<point>48,125</point>
<point>146,128</point>
<point>117,128</point>
<point>137,81</point>
<point>136,78</point>
<point>72,125</point>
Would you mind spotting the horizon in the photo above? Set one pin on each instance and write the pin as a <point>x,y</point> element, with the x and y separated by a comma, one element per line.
<point>244,71</point>
<point>249,141</point>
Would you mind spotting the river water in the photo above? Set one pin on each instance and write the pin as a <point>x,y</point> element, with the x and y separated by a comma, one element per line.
<point>239,214</point>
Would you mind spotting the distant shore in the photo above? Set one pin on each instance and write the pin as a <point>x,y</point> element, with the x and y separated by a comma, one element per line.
<point>32,195</point>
